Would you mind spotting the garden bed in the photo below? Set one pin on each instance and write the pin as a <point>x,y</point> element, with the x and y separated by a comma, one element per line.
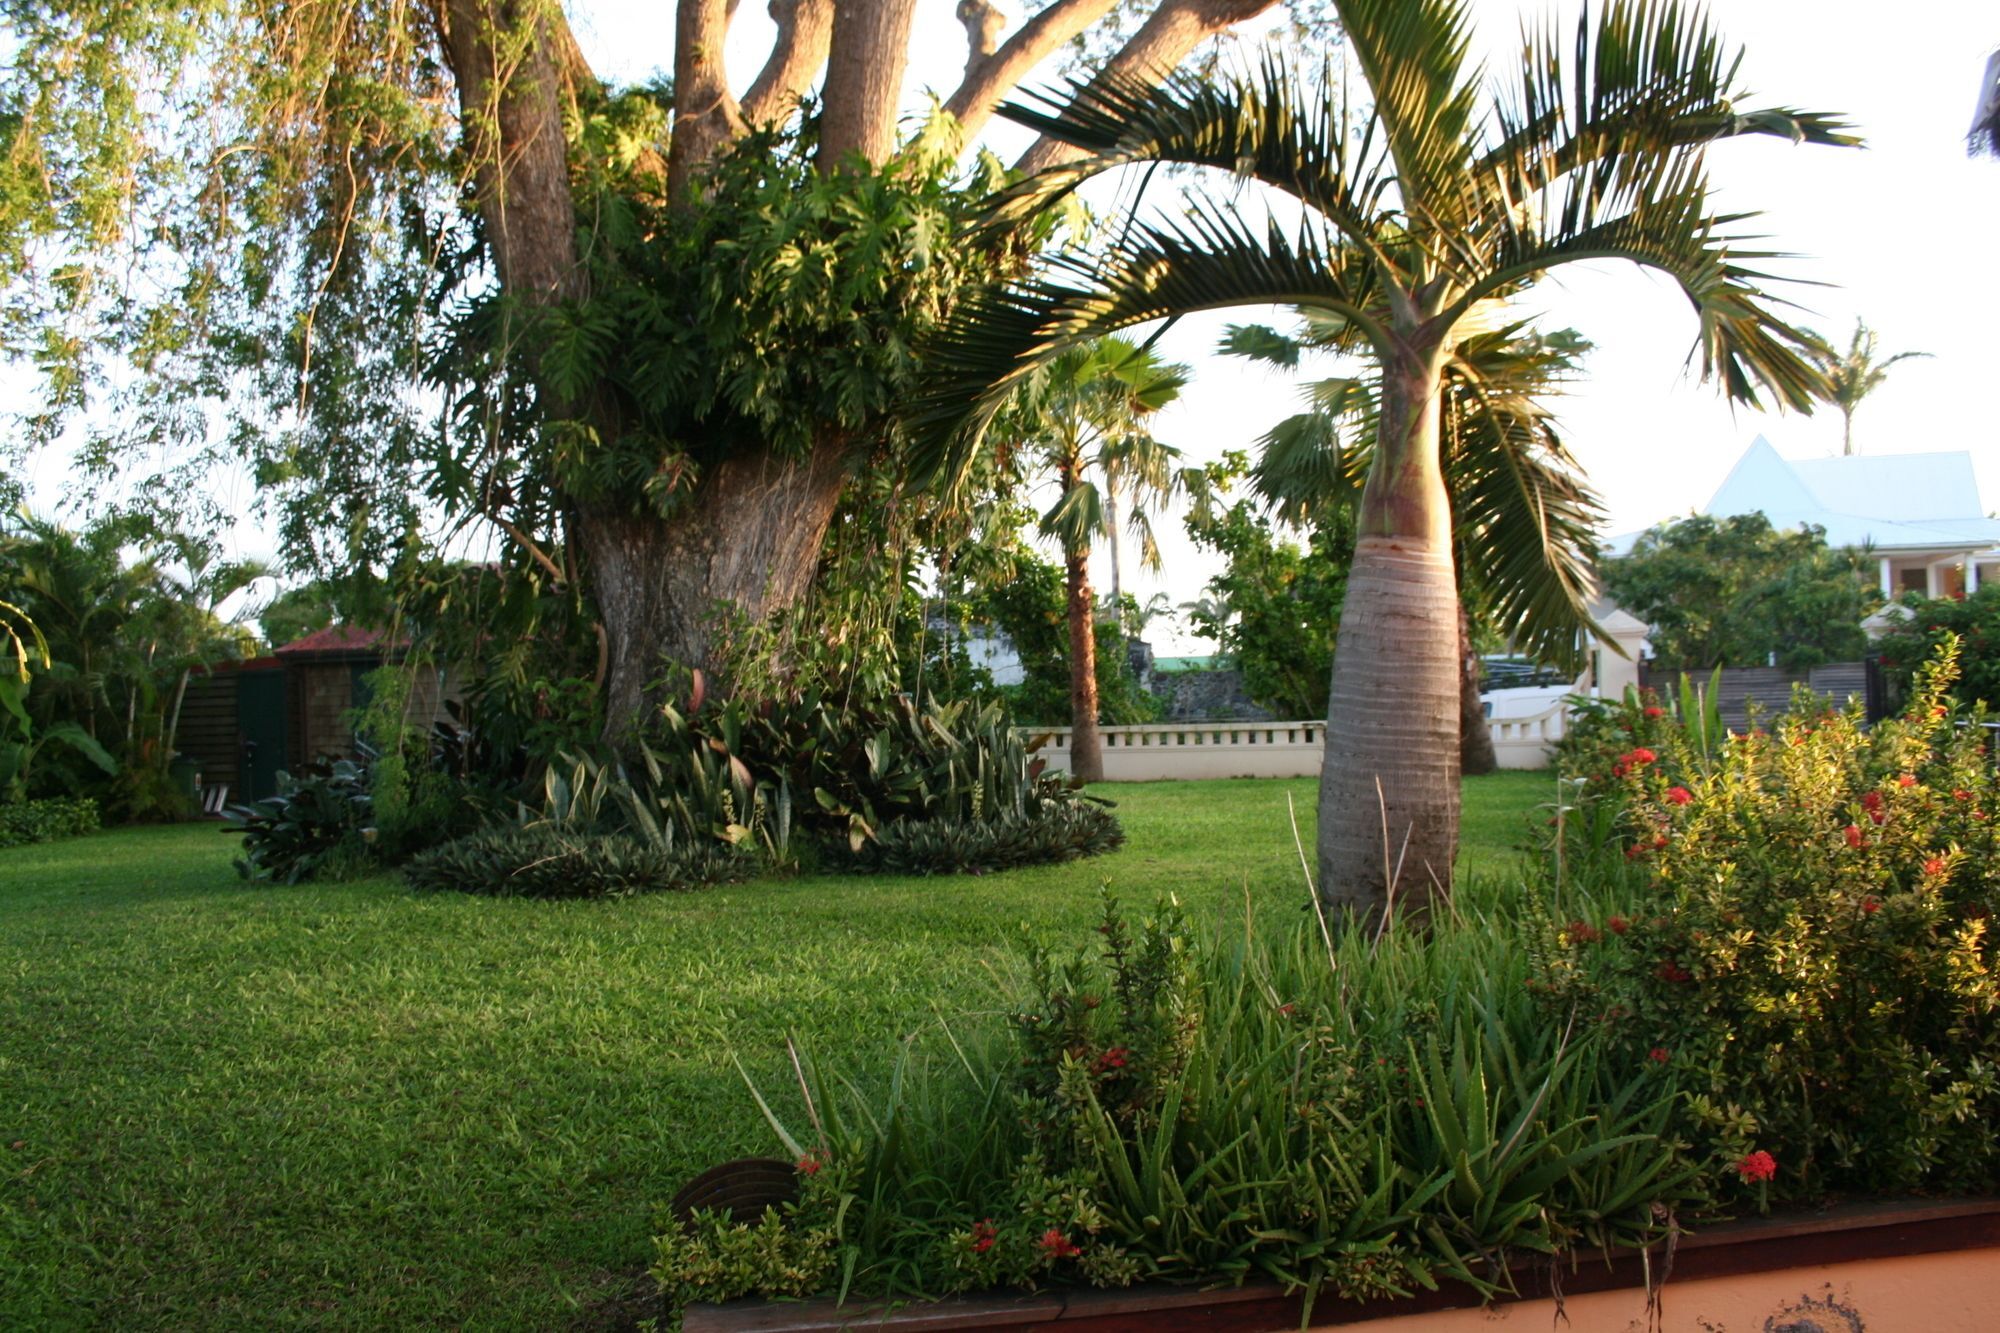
<point>1859,1253</point>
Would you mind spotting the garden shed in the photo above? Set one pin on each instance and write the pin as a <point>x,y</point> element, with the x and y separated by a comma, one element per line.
<point>245,722</point>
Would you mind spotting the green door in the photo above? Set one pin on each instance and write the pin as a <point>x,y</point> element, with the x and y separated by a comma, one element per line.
<point>260,730</point>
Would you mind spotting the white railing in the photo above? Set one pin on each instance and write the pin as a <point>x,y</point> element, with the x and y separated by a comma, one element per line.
<point>1168,750</point>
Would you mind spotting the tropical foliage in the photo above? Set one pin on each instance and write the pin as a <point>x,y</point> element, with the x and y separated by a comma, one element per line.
<point>1735,591</point>
<point>1921,627</point>
<point>94,708</point>
<point>1423,214</point>
<point>1274,609</point>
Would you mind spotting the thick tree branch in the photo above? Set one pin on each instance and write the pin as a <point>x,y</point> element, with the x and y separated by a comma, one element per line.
<point>506,57</point>
<point>983,23</point>
<point>864,79</point>
<point>705,113</point>
<point>993,72</point>
<point>805,29</point>
<point>1176,28</point>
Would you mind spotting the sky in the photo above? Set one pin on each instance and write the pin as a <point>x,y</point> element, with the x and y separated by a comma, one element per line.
<point>1899,233</point>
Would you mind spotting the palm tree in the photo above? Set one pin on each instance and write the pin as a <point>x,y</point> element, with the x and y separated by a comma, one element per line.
<point>1852,376</point>
<point>1418,216</point>
<point>1082,417</point>
<point>1524,531</point>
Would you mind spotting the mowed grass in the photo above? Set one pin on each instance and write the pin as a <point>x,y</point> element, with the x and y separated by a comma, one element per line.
<point>225,1105</point>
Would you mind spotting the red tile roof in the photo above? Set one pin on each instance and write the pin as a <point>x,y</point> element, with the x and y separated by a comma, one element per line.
<point>335,639</point>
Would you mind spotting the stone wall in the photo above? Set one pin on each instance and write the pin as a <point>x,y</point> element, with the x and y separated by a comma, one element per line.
<point>1204,696</point>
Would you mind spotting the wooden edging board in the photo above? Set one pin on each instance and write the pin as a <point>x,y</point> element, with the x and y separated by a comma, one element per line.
<point>1758,1245</point>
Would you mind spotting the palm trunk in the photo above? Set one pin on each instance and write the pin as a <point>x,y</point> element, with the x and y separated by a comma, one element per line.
<point>1388,808</point>
<point>1086,747</point>
<point>744,546</point>
<point>1111,526</point>
<point>1475,735</point>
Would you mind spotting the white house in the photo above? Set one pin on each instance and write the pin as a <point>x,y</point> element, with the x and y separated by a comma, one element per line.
<point>1918,514</point>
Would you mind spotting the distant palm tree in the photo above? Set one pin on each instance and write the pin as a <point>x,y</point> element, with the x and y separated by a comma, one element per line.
<point>1082,417</point>
<point>1853,375</point>
<point>1414,218</point>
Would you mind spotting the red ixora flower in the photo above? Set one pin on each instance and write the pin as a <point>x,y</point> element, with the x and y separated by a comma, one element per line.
<point>984,1233</point>
<point>1679,795</point>
<point>1907,780</point>
<point>1654,710</point>
<point>1672,971</point>
<point>1058,1246</point>
<point>1934,865</point>
<point>810,1164</point>
<point>1114,1058</point>
<point>1871,801</point>
<point>1617,925</point>
<point>1584,933</point>
<point>1640,757</point>
<point>1871,906</point>
<point>1659,1055</point>
<point>1756,1166</point>
<point>1854,838</point>
<point>1960,794</point>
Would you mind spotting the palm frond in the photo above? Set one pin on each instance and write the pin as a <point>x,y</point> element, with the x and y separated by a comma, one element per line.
<point>1207,260</point>
<point>1269,127</point>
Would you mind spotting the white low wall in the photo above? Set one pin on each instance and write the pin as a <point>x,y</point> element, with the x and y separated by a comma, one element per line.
<point>1180,750</point>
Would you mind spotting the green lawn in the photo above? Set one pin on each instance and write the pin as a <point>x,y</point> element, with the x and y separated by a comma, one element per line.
<point>233,1106</point>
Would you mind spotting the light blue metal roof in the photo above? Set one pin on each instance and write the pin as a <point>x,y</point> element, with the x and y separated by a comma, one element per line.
<point>1888,501</point>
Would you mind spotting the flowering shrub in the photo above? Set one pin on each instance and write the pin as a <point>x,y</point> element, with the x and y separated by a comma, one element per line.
<point>1813,948</point>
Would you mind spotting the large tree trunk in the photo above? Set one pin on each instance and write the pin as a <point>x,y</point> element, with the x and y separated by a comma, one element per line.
<point>1475,734</point>
<point>1388,806</point>
<point>744,545</point>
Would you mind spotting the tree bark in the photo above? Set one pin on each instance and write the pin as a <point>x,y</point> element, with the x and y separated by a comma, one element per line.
<point>512,120</point>
<point>1162,42</point>
<point>1388,808</point>
<point>805,30</point>
<point>1475,735</point>
<point>992,70</point>
<point>706,117</point>
<point>864,80</point>
<point>745,545</point>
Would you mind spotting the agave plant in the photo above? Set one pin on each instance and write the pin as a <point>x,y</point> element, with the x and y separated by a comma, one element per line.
<point>1422,213</point>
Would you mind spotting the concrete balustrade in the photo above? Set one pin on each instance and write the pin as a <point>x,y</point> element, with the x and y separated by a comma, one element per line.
<point>1185,750</point>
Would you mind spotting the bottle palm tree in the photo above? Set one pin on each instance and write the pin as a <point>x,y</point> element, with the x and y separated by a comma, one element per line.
<point>1417,216</point>
<point>1853,375</point>
<point>1082,418</point>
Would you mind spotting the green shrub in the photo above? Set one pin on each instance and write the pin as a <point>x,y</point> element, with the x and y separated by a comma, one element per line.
<point>887,785</point>
<point>1169,1107</point>
<point>549,861</point>
<point>315,825</point>
<point>1064,831</point>
<point>23,822</point>
<point>1811,944</point>
<point>1974,620</point>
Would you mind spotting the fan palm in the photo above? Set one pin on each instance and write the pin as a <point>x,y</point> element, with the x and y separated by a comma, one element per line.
<point>1082,417</point>
<point>1417,216</point>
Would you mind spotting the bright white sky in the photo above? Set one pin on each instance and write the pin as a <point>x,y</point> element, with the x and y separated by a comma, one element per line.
<point>1903,232</point>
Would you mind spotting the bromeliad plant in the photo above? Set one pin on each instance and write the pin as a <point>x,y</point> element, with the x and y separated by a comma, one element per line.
<point>1812,947</point>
